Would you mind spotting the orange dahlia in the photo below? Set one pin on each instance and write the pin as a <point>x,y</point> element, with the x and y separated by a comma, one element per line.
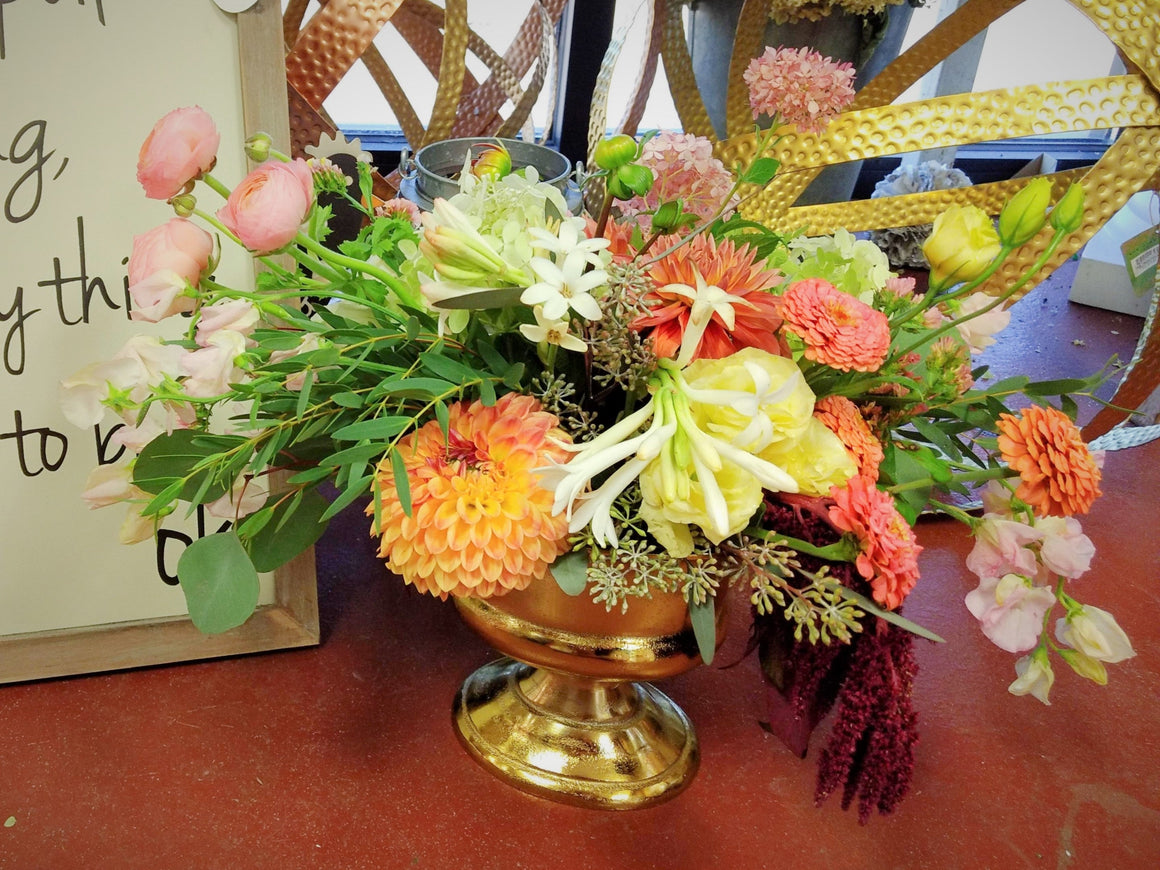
<point>1059,474</point>
<point>838,329</point>
<point>842,417</point>
<point>480,524</point>
<point>723,265</point>
<point>889,550</point>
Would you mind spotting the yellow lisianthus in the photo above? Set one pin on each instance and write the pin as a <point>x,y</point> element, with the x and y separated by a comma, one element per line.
<point>961,245</point>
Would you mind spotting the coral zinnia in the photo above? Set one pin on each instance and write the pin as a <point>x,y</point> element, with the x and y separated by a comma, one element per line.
<point>731,269</point>
<point>842,417</point>
<point>481,524</point>
<point>889,551</point>
<point>1059,474</point>
<point>838,329</point>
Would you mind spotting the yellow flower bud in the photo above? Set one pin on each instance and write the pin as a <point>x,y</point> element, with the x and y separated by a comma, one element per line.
<point>1025,213</point>
<point>961,246</point>
<point>1067,215</point>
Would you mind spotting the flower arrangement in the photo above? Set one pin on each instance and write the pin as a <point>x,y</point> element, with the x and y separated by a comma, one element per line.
<point>665,397</point>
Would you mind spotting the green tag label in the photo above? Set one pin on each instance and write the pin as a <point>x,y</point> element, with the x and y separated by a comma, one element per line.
<point>1140,256</point>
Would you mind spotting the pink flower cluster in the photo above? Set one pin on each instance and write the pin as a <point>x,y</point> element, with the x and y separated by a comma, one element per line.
<point>684,168</point>
<point>799,86</point>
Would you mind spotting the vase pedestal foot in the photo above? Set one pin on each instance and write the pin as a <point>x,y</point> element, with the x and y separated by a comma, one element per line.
<point>603,744</point>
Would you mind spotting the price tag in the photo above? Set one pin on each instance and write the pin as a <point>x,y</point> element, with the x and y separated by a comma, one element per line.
<point>1141,253</point>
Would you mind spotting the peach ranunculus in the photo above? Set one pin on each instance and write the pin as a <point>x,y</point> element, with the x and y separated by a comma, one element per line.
<point>164,262</point>
<point>269,205</point>
<point>961,245</point>
<point>1059,476</point>
<point>181,146</point>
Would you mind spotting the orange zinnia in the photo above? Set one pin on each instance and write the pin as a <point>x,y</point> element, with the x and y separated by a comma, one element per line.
<point>480,524</point>
<point>838,329</point>
<point>888,555</point>
<point>842,417</point>
<point>733,270</point>
<point>1059,474</point>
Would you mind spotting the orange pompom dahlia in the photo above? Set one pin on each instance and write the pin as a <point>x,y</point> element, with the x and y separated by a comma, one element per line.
<point>480,524</point>
<point>1059,474</point>
<point>842,417</point>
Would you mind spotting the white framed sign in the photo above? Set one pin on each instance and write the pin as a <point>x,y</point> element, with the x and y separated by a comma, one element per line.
<point>81,84</point>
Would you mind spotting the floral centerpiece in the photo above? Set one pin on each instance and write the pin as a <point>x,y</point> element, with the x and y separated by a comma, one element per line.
<point>662,397</point>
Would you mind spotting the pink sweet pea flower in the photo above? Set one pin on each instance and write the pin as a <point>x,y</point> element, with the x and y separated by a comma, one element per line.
<point>1094,633</point>
<point>181,146</point>
<point>82,394</point>
<point>213,368</point>
<point>979,332</point>
<point>109,484</point>
<point>309,343</point>
<point>1033,677</point>
<point>243,499</point>
<point>1001,548</point>
<point>1066,550</point>
<point>1010,611</point>
<point>237,315</point>
<point>164,262</point>
<point>267,208</point>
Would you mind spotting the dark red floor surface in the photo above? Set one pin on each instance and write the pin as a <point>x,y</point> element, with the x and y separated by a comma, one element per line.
<point>343,756</point>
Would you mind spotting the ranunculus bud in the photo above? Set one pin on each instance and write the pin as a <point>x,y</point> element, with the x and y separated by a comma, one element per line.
<point>1025,213</point>
<point>258,147</point>
<point>181,146</point>
<point>615,151</point>
<point>184,204</point>
<point>1067,216</point>
<point>961,246</point>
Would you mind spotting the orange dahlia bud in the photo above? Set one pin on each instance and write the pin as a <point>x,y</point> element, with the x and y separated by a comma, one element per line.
<point>1059,474</point>
<point>481,524</point>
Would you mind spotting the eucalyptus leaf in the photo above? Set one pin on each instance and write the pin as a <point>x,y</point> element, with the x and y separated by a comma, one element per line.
<point>704,620</point>
<point>174,458</point>
<point>219,581</point>
<point>571,572</point>
<point>278,541</point>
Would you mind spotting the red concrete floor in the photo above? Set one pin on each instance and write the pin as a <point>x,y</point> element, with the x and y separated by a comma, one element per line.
<point>343,756</point>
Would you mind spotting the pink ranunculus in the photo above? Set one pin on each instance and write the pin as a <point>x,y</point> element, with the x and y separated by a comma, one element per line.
<point>213,368</point>
<point>234,314</point>
<point>181,146</point>
<point>1010,611</point>
<point>265,210</point>
<point>164,262</point>
<point>1066,550</point>
<point>1001,548</point>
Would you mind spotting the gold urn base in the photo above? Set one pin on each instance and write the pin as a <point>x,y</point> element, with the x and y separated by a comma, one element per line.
<point>569,715</point>
<point>593,743</point>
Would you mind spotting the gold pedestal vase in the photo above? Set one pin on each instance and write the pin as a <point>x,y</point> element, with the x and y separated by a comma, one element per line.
<point>566,715</point>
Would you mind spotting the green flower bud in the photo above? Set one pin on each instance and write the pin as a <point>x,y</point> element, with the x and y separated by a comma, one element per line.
<point>1086,666</point>
<point>1025,213</point>
<point>615,151</point>
<point>184,204</point>
<point>1067,216</point>
<point>637,178</point>
<point>493,162</point>
<point>665,218</point>
<point>258,147</point>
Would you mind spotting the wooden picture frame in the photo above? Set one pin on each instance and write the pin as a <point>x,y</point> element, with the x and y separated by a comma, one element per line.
<point>291,619</point>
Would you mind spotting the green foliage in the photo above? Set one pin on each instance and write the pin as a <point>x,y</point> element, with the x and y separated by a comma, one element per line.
<point>219,581</point>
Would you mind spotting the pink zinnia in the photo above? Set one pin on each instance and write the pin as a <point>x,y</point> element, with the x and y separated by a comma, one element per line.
<point>683,168</point>
<point>799,86</point>
<point>838,329</point>
<point>889,550</point>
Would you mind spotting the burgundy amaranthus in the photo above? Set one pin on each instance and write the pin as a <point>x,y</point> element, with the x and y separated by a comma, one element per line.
<point>870,750</point>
